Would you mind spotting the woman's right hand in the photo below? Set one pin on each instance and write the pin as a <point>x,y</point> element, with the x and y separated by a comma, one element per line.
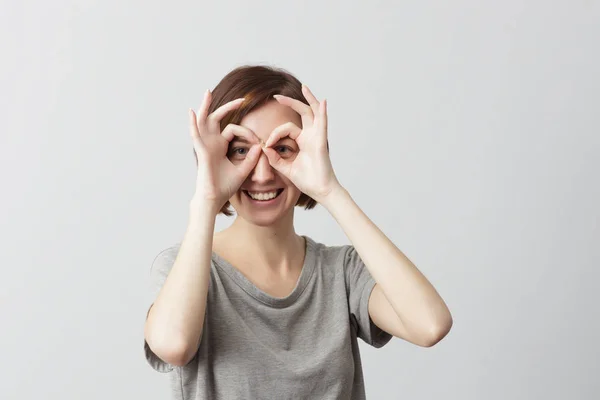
<point>218,178</point>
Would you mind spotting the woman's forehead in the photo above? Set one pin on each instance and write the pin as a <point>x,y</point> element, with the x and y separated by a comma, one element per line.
<point>263,120</point>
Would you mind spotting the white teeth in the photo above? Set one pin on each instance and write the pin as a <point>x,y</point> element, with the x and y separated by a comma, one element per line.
<point>263,196</point>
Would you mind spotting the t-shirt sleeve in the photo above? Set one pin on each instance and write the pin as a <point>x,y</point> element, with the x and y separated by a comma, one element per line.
<point>159,270</point>
<point>359,285</point>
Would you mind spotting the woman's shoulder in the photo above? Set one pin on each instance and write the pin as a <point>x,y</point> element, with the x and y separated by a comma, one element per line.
<point>331,253</point>
<point>165,254</point>
<point>328,252</point>
<point>173,249</point>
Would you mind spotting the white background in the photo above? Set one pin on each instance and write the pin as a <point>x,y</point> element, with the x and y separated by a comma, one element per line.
<point>468,131</point>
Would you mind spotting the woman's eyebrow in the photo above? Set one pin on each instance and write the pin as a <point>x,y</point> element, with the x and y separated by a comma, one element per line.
<point>285,139</point>
<point>239,139</point>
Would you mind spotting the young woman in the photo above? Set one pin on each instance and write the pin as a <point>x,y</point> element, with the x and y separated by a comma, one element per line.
<point>257,311</point>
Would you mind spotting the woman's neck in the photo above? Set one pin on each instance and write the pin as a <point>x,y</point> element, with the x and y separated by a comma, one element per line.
<point>275,249</point>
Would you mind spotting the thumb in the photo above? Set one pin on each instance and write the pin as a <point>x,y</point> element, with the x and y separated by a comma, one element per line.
<point>275,159</point>
<point>250,160</point>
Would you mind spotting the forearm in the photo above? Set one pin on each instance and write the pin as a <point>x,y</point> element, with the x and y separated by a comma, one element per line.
<point>413,298</point>
<point>176,318</point>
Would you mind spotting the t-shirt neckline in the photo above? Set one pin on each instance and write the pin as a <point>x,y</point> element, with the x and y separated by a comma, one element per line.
<point>277,302</point>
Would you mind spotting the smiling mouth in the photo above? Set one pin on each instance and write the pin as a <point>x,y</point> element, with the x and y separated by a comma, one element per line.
<point>263,196</point>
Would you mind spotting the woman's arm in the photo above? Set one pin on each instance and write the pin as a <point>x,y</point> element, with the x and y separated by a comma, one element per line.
<point>173,327</point>
<point>174,323</point>
<point>413,310</point>
<point>422,316</point>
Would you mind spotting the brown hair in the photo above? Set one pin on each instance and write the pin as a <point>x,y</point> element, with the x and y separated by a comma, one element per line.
<point>257,84</point>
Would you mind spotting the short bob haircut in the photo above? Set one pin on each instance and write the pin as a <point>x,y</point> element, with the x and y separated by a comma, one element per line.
<point>257,84</point>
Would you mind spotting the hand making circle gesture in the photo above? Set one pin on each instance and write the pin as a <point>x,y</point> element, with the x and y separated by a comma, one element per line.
<point>218,178</point>
<point>311,170</point>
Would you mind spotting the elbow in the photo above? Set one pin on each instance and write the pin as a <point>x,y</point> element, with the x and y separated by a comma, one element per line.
<point>184,357</point>
<point>172,351</point>
<point>177,356</point>
<point>168,352</point>
<point>437,333</point>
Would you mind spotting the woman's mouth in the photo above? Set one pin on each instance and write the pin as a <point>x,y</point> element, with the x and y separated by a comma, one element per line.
<point>263,197</point>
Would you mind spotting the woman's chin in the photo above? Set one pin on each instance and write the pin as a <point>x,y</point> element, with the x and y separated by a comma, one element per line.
<point>263,221</point>
<point>264,218</point>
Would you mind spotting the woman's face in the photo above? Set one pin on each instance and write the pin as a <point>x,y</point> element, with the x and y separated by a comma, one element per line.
<point>253,201</point>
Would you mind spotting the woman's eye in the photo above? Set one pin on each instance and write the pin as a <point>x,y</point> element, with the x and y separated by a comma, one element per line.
<point>238,152</point>
<point>285,151</point>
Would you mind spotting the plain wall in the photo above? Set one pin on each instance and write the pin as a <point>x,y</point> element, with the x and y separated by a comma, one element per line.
<point>468,131</point>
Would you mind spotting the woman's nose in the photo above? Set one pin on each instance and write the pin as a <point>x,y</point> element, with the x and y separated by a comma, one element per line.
<point>263,172</point>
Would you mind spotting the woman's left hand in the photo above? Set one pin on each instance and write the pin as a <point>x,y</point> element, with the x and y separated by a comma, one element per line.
<point>311,170</point>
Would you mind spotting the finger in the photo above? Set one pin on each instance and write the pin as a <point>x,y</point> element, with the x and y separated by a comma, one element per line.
<point>233,130</point>
<point>250,161</point>
<point>217,115</point>
<point>323,117</point>
<point>203,109</point>
<point>312,100</point>
<point>288,129</point>
<point>305,111</point>
<point>198,145</point>
<point>276,160</point>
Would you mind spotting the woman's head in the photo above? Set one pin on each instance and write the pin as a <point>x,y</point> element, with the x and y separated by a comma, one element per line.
<point>261,113</point>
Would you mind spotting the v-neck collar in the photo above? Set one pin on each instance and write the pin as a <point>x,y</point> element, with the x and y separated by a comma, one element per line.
<point>277,302</point>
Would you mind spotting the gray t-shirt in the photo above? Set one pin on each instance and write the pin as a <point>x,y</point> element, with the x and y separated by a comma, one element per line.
<point>256,346</point>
